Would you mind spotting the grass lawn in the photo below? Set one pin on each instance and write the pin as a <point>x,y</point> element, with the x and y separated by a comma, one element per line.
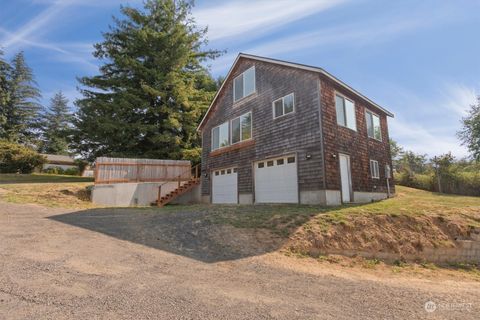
<point>46,189</point>
<point>41,178</point>
<point>281,219</point>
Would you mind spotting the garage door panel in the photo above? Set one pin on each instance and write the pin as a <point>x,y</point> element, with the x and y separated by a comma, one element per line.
<point>277,183</point>
<point>225,186</point>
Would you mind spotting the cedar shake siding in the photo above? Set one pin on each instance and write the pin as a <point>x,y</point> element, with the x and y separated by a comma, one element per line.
<point>310,132</point>
<point>297,132</point>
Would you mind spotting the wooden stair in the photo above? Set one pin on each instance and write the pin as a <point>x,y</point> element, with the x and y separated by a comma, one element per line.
<point>182,188</point>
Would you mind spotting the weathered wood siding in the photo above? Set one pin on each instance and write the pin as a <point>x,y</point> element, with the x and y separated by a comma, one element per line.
<point>298,132</point>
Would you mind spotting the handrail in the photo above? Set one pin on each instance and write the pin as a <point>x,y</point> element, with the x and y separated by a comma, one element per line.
<point>195,176</point>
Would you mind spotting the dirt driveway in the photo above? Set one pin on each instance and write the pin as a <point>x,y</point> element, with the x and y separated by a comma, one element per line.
<point>135,264</point>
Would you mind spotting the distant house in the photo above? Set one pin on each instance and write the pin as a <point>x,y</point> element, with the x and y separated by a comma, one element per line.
<point>58,161</point>
<point>282,132</point>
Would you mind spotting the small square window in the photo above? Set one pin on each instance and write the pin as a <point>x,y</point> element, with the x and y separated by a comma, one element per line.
<point>291,160</point>
<point>261,164</point>
<point>223,172</point>
<point>229,171</point>
<point>217,173</point>
<point>234,170</point>
<point>279,162</point>
<point>270,163</point>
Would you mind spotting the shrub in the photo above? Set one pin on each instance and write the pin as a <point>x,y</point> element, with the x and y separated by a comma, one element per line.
<point>54,170</point>
<point>15,158</point>
<point>72,172</point>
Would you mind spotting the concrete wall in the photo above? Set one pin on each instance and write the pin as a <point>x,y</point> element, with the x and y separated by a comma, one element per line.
<point>138,194</point>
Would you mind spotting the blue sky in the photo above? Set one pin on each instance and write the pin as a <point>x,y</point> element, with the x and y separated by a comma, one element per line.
<point>419,59</point>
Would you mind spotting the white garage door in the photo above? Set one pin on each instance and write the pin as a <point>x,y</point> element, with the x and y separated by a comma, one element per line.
<point>224,186</point>
<point>276,181</point>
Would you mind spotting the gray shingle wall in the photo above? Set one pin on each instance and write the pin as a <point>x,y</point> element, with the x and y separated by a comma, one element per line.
<point>298,132</point>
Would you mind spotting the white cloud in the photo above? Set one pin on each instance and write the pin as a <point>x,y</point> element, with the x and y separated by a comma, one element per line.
<point>459,98</point>
<point>235,18</point>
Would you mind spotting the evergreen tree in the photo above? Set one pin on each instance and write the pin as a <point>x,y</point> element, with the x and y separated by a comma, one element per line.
<point>4,72</point>
<point>470,132</point>
<point>21,112</point>
<point>152,89</point>
<point>56,124</point>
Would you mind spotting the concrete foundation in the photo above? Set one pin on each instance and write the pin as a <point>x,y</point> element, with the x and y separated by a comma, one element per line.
<point>364,197</point>
<point>138,194</point>
<point>245,198</point>
<point>312,197</point>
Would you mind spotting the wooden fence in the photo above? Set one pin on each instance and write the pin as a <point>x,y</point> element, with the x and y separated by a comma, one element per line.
<point>123,170</point>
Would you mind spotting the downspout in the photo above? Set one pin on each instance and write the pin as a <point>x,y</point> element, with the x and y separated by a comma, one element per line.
<point>319,98</point>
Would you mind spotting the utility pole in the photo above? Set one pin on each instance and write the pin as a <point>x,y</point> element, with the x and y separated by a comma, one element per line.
<point>437,174</point>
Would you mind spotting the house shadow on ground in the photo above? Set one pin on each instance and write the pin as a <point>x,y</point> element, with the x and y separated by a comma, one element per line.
<point>205,233</point>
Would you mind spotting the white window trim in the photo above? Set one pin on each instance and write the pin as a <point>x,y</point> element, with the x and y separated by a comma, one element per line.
<point>231,128</point>
<point>283,106</point>
<point>373,174</point>
<point>227,122</point>
<point>354,110</point>
<point>367,111</point>
<point>243,80</point>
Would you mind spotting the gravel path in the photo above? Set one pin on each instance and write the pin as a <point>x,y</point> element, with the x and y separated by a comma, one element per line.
<point>132,264</point>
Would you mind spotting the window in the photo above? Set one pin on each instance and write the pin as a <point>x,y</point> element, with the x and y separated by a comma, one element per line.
<point>374,170</point>
<point>217,173</point>
<point>261,165</point>
<point>229,171</point>
<point>242,128</point>
<point>373,126</point>
<point>222,172</point>
<point>279,162</point>
<point>283,105</point>
<point>388,171</point>
<point>345,112</point>
<point>244,84</point>
<point>291,160</point>
<point>270,163</point>
<point>220,136</point>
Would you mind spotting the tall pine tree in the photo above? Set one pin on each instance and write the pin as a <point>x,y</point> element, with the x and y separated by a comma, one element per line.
<point>152,90</point>
<point>22,110</point>
<point>56,125</point>
<point>4,72</point>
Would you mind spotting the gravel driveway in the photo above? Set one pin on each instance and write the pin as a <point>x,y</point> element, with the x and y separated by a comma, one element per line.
<point>132,264</point>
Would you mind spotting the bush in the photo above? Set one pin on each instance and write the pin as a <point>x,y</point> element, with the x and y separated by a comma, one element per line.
<point>72,172</point>
<point>15,158</point>
<point>54,170</point>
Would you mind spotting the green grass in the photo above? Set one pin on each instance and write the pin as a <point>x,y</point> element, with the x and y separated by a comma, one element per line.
<point>40,178</point>
<point>283,219</point>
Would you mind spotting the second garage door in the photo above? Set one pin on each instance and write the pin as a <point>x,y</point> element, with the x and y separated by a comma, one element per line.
<point>276,180</point>
<point>225,186</point>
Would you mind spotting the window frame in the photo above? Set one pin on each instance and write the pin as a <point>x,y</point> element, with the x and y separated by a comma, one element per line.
<point>344,97</point>
<point>240,125</point>
<point>373,174</point>
<point>368,111</point>
<point>283,106</point>
<point>212,136</point>
<point>243,82</point>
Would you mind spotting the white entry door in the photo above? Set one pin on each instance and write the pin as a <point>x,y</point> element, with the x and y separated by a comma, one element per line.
<point>345,177</point>
<point>225,186</point>
<point>276,180</point>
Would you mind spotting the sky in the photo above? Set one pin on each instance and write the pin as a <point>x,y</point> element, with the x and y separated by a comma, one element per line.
<point>418,59</point>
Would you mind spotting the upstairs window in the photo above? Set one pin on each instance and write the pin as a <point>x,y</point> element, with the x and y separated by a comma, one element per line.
<point>244,84</point>
<point>345,112</point>
<point>283,105</point>
<point>373,126</point>
<point>374,169</point>
<point>241,128</point>
<point>220,136</point>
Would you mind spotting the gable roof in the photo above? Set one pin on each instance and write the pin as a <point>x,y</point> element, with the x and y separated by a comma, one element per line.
<point>56,158</point>
<point>293,65</point>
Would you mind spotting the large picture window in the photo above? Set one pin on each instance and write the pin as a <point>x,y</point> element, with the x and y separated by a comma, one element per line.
<point>244,84</point>
<point>220,136</point>
<point>345,112</point>
<point>283,105</point>
<point>373,126</point>
<point>241,128</point>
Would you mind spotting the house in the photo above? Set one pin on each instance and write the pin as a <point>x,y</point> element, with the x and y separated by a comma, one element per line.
<point>282,132</point>
<point>58,161</point>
